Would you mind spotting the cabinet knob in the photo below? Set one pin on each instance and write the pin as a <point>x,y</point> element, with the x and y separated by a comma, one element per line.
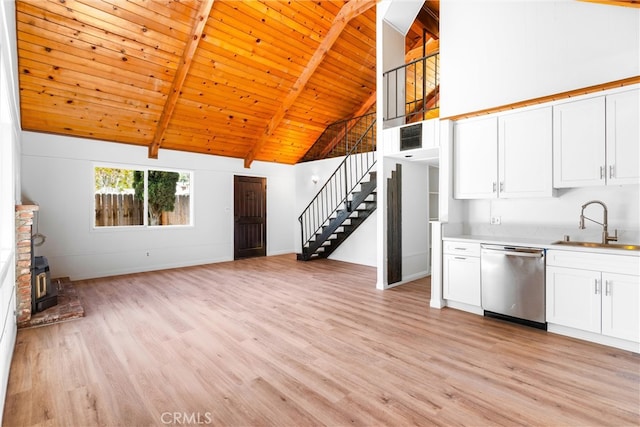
<point>611,170</point>
<point>494,186</point>
<point>601,172</point>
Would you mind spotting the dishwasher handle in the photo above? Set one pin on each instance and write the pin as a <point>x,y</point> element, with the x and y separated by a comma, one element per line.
<point>513,251</point>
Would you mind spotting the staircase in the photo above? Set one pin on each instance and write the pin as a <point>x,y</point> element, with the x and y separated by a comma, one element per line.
<point>344,222</point>
<point>344,202</point>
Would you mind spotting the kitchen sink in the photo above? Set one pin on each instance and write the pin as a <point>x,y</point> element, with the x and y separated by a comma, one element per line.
<point>598,245</point>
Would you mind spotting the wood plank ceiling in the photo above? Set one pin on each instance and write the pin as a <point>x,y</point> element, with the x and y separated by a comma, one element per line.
<point>255,80</point>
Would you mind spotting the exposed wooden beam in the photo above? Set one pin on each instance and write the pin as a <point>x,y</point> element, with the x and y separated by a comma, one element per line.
<point>180,76</point>
<point>432,47</point>
<point>349,11</point>
<point>625,3</point>
<point>548,98</point>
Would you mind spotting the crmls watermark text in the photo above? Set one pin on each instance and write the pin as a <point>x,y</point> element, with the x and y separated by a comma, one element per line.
<point>181,418</point>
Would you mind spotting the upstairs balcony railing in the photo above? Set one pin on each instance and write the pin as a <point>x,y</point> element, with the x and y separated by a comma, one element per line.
<point>412,91</point>
<point>339,138</point>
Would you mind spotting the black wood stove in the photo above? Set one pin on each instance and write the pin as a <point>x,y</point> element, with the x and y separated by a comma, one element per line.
<point>44,294</point>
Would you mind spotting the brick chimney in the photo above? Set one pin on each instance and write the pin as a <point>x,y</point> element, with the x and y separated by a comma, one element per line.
<point>24,259</point>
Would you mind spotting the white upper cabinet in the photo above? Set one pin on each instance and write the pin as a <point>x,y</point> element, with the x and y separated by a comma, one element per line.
<point>504,156</point>
<point>525,142</point>
<point>623,137</point>
<point>475,158</point>
<point>578,143</point>
<point>596,141</point>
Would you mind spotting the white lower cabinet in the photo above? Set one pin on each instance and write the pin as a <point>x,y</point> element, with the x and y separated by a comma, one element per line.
<point>620,305</point>
<point>595,293</point>
<point>461,275</point>
<point>573,298</point>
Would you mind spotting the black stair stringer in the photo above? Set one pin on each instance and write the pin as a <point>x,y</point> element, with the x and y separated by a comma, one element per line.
<point>362,204</point>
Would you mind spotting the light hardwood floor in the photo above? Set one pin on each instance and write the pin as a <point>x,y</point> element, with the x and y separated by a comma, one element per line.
<point>274,341</point>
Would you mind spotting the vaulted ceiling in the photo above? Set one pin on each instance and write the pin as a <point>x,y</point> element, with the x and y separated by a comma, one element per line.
<point>256,80</point>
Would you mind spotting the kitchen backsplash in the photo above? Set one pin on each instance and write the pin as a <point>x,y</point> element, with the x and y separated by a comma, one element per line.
<point>593,232</point>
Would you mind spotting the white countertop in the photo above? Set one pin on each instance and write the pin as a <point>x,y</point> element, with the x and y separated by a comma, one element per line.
<point>536,243</point>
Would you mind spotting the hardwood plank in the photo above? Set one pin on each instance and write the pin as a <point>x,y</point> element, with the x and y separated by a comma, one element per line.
<point>177,25</point>
<point>29,13</point>
<point>57,89</point>
<point>41,120</point>
<point>78,117</point>
<point>63,76</point>
<point>274,341</point>
<point>79,13</point>
<point>104,71</point>
<point>75,107</point>
<point>54,42</point>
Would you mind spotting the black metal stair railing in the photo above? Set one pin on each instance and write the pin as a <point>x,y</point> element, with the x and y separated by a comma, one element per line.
<point>412,89</point>
<point>335,193</point>
<point>339,138</point>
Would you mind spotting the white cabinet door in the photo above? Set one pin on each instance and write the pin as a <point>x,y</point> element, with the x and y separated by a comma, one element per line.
<point>623,137</point>
<point>475,158</point>
<point>620,306</point>
<point>579,143</point>
<point>526,154</point>
<point>573,298</point>
<point>461,279</point>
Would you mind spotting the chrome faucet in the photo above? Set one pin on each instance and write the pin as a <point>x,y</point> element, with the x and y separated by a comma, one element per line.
<point>605,233</point>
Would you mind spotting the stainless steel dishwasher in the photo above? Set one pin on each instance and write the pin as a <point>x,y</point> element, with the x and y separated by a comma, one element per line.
<point>513,283</point>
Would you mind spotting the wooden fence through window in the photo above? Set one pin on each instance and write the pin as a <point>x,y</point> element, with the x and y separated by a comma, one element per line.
<point>124,209</point>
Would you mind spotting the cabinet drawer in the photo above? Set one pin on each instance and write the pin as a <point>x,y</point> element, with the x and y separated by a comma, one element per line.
<point>461,248</point>
<point>622,264</point>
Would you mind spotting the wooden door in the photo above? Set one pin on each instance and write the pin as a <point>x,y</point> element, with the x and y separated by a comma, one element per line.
<point>250,217</point>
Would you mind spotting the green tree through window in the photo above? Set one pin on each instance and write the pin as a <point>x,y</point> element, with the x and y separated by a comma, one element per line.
<point>161,192</point>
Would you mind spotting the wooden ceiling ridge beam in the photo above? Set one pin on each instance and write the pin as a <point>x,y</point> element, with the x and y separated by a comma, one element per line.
<point>180,76</point>
<point>349,11</point>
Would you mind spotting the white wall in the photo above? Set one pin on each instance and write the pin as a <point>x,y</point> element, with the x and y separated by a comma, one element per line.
<point>498,52</point>
<point>554,217</point>
<point>57,174</point>
<point>9,183</point>
<point>360,247</point>
<point>415,220</point>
